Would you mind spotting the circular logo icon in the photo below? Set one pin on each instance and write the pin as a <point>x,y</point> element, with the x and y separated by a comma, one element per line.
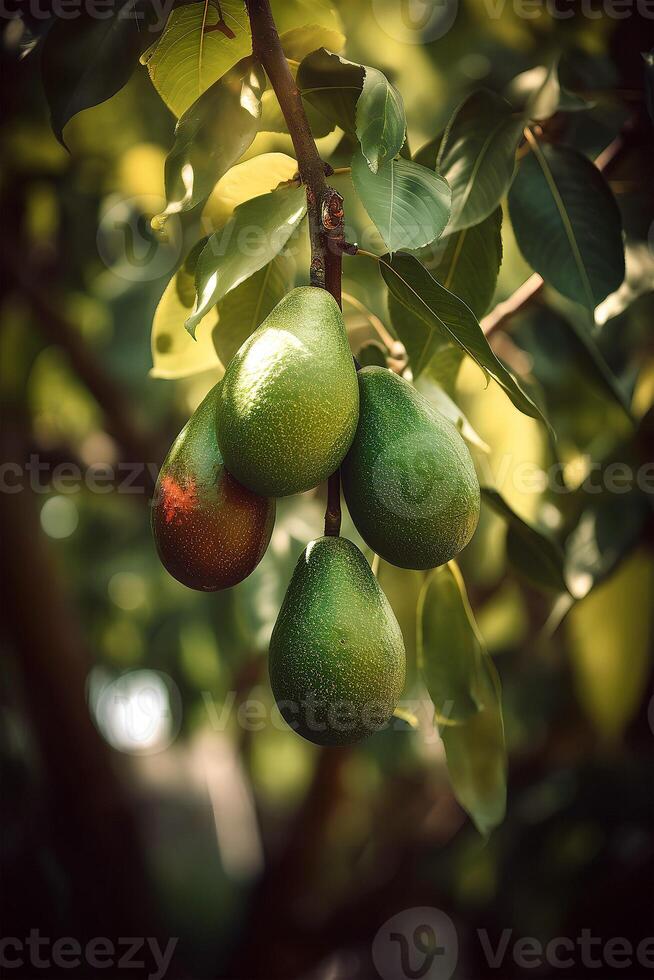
<point>416,944</point>
<point>415,21</point>
<point>139,712</point>
<point>127,244</point>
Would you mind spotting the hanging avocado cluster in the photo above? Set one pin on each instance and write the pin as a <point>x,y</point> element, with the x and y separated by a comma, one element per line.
<point>289,411</point>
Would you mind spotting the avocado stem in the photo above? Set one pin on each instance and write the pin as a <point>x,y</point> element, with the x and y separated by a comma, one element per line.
<point>333,512</point>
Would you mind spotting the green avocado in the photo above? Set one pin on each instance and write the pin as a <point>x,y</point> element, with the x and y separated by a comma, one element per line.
<point>210,531</point>
<point>408,479</point>
<point>289,401</point>
<point>337,659</point>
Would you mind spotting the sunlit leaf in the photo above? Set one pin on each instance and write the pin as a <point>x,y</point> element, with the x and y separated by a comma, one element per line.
<point>477,156</point>
<point>425,314</point>
<point>201,42</point>
<point>197,47</point>
<point>532,551</point>
<point>212,135</point>
<point>538,93</point>
<point>449,646</point>
<point>409,204</point>
<point>174,352</point>
<point>609,637</point>
<point>257,233</point>
<point>380,119</point>
<point>246,180</point>
<point>242,310</point>
<point>578,247</point>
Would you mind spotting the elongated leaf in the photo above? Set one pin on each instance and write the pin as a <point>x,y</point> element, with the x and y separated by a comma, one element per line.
<point>211,136</point>
<point>87,59</point>
<point>332,85</point>
<point>430,314</point>
<point>439,398</point>
<point>380,119</point>
<point>609,637</point>
<point>257,233</point>
<point>578,245</point>
<point>476,754</point>
<point>449,646</point>
<point>538,93</point>
<point>409,204</point>
<point>531,551</point>
<point>477,156</point>
<point>242,310</point>
<point>468,262</point>
<point>202,41</point>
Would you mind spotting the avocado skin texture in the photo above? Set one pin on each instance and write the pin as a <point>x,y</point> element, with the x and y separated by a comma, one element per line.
<point>210,531</point>
<point>289,402</point>
<point>408,479</point>
<point>337,661</point>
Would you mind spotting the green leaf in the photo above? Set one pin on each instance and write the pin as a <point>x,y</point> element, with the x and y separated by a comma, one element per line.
<point>607,529</point>
<point>197,47</point>
<point>265,223</point>
<point>88,59</point>
<point>174,353</point>
<point>578,245</point>
<point>609,637</point>
<point>212,135</point>
<point>332,85</point>
<point>538,94</point>
<point>427,155</point>
<point>380,119</point>
<point>425,314</point>
<point>445,363</point>
<point>409,204</point>
<point>476,754</point>
<point>439,398</point>
<point>532,552</point>
<point>468,262</point>
<point>449,646</point>
<point>202,41</point>
<point>242,310</point>
<point>477,156</point>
